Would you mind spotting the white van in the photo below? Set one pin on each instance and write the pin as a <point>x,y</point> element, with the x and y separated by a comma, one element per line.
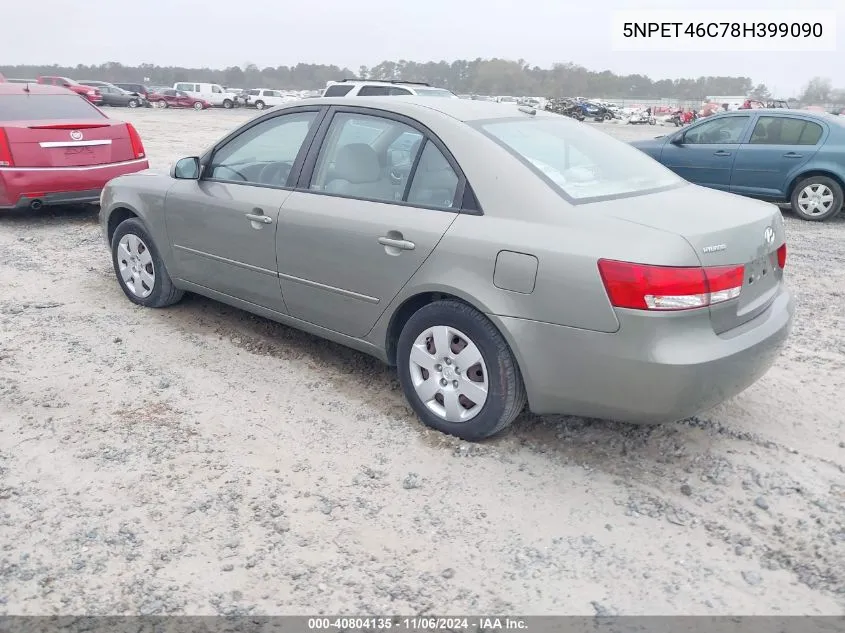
<point>215,94</point>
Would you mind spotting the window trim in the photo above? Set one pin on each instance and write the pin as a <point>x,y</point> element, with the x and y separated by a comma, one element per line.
<point>307,171</point>
<point>805,120</point>
<point>296,169</point>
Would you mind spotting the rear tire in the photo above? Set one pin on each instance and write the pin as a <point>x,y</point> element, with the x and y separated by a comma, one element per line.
<point>493,378</point>
<point>816,189</point>
<point>139,268</point>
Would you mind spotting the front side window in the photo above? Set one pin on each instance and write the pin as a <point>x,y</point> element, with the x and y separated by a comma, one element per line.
<point>722,130</point>
<point>581,163</point>
<point>355,160</point>
<point>183,86</point>
<point>773,130</point>
<point>254,93</point>
<point>216,89</point>
<point>263,154</point>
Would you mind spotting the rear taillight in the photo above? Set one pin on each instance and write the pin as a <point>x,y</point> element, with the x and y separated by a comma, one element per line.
<point>5,150</point>
<point>644,287</point>
<point>782,256</point>
<point>135,140</point>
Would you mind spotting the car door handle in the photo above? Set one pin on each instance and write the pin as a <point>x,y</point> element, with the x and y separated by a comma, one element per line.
<point>259,217</point>
<point>793,155</point>
<point>721,152</point>
<point>404,245</point>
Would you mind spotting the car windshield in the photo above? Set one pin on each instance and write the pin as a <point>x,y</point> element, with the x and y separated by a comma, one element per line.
<point>433,92</point>
<point>582,163</point>
<point>35,107</point>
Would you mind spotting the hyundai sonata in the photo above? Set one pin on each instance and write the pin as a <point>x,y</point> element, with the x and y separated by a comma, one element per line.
<point>495,254</point>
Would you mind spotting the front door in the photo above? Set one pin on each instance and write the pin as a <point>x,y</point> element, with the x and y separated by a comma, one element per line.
<point>361,227</point>
<point>223,226</point>
<point>778,147</point>
<point>705,152</point>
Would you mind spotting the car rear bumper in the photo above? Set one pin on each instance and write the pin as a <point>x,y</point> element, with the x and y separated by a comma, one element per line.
<point>21,186</point>
<point>647,372</point>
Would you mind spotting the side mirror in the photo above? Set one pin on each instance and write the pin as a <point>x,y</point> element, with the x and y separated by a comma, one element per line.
<point>677,140</point>
<point>186,169</point>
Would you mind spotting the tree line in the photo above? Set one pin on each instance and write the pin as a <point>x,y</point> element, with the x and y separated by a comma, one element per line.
<point>478,76</point>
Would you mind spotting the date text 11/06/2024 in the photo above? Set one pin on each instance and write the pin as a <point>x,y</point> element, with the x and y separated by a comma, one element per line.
<point>722,29</point>
<point>418,623</point>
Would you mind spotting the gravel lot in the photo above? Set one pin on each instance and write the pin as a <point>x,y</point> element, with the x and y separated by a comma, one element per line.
<point>201,460</point>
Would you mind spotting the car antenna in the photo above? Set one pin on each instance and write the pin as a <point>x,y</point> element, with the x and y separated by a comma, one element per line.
<point>528,110</point>
<point>26,87</point>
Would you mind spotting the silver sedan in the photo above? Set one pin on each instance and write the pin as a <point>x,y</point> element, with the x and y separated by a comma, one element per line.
<point>495,254</point>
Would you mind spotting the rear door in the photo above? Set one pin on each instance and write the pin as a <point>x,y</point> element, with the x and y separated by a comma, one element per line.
<point>61,130</point>
<point>704,153</point>
<point>778,146</point>
<point>353,233</point>
<point>223,227</point>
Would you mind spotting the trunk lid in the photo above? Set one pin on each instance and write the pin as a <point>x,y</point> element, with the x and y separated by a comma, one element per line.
<point>724,230</point>
<point>68,143</point>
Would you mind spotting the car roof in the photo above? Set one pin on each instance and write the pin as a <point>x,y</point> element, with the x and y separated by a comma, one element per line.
<point>32,88</point>
<point>461,109</point>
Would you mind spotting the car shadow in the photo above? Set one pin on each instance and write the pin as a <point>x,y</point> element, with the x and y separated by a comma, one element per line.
<point>64,214</point>
<point>613,447</point>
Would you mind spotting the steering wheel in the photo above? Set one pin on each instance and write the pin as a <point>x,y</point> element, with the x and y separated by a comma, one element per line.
<point>275,173</point>
<point>399,174</point>
<point>238,175</point>
<point>724,135</point>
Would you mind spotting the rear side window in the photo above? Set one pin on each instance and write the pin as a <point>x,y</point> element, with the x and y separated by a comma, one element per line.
<point>772,130</point>
<point>337,91</point>
<point>46,108</point>
<point>373,91</point>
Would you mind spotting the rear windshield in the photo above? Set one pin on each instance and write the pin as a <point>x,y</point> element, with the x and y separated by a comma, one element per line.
<point>35,107</point>
<point>582,163</point>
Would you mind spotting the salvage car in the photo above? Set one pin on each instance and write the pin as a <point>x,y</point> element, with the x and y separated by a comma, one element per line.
<point>169,98</point>
<point>118,97</point>
<point>784,156</point>
<point>89,92</point>
<point>591,280</point>
<point>57,148</point>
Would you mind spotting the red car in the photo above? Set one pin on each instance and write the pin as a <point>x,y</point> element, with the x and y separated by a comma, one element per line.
<point>176,99</point>
<point>89,92</point>
<point>57,148</point>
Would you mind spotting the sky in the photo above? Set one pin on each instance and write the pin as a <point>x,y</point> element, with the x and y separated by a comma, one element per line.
<point>351,33</point>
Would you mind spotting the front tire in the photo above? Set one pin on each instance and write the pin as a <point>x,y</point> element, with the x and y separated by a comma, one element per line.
<point>132,103</point>
<point>228,104</point>
<point>817,198</point>
<point>162,104</point>
<point>198,105</point>
<point>458,372</point>
<point>139,268</point>
<point>259,105</point>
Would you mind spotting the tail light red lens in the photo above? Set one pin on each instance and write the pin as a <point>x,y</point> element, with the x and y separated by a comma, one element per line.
<point>665,288</point>
<point>782,255</point>
<point>5,150</point>
<point>135,140</point>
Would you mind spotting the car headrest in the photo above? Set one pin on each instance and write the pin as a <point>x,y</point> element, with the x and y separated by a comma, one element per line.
<point>357,163</point>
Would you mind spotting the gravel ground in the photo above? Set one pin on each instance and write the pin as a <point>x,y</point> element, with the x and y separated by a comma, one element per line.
<point>200,460</point>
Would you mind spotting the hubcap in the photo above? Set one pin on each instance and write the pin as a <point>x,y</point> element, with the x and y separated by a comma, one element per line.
<point>448,373</point>
<point>136,265</point>
<point>815,199</point>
